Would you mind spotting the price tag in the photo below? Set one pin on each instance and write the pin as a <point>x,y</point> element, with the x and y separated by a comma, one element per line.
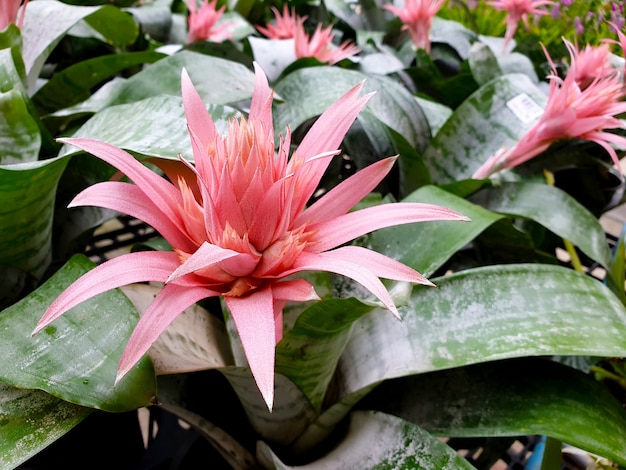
<point>524,108</point>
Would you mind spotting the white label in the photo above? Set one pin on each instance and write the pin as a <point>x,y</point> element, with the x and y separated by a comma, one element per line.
<point>524,108</point>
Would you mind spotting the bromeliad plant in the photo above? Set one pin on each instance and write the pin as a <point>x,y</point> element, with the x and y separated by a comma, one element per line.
<point>259,313</point>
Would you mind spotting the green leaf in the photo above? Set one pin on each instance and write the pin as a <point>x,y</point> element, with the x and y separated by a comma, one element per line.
<point>41,35</point>
<point>483,63</point>
<point>309,352</point>
<point>475,316</point>
<point>75,358</point>
<point>427,246</point>
<point>118,27</point>
<point>479,127</point>
<point>30,420</point>
<point>74,84</point>
<point>119,126</point>
<point>379,441</point>
<point>230,82</point>
<point>290,414</point>
<point>27,193</point>
<point>19,135</point>
<point>310,91</point>
<point>555,210</point>
<point>511,398</point>
<point>486,314</point>
<point>20,138</point>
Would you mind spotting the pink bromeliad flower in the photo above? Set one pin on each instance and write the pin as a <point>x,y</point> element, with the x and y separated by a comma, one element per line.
<point>591,63</point>
<point>284,26</point>
<point>238,222</point>
<point>417,18</point>
<point>202,23</point>
<point>519,10</point>
<point>574,110</point>
<point>8,13</point>
<point>320,44</point>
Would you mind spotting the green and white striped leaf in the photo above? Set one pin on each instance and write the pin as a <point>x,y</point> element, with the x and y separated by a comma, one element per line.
<point>511,398</point>
<point>41,35</point>
<point>290,414</point>
<point>228,82</point>
<point>74,84</point>
<point>309,352</point>
<point>481,125</point>
<point>476,316</point>
<point>310,91</point>
<point>30,421</point>
<point>154,127</point>
<point>378,441</point>
<point>554,209</point>
<point>20,138</point>
<point>486,314</point>
<point>75,358</point>
<point>27,194</point>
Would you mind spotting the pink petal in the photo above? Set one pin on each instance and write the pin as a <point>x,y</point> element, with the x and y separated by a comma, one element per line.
<point>205,256</point>
<point>125,269</point>
<point>198,120</point>
<point>325,135</point>
<point>342,229</point>
<point>171,301</point>
<point>154,186</point>
<point>254,318</point>
<point>129,199</point>
<point>353,270</point>
<point>347,194</point>
<point>261,104</point>
<point>379,264</point>
<point>297,290</point>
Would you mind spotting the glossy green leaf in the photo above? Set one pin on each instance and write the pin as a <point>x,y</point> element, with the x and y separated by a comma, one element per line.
<point>475,316</point>
<point>40,35</point>
<point>290,414</point>
<point>511,398</point>
<point>479,127</point>
<point>309,352</point>
<point>310,91</point>
<point>19,135</point>
<point>485,314</point>
<point>228,82</point>
<point>27,194</point>
<point>30,420</point>
<point>20,138</point>
<point>555,210</point>
<point>75,358</point>
<point>483,63</point>
<point>118,125</point>
<point>74,84</point>
<point>379,441</point>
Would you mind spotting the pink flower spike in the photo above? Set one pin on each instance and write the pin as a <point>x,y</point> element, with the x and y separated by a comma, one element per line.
<point>575,109</point>
<point>519,10</point>
<point>237,222</point>
<point>203,22</point>
<point>320,44</point>
<point>285,24</point>
<point>417,18</point>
